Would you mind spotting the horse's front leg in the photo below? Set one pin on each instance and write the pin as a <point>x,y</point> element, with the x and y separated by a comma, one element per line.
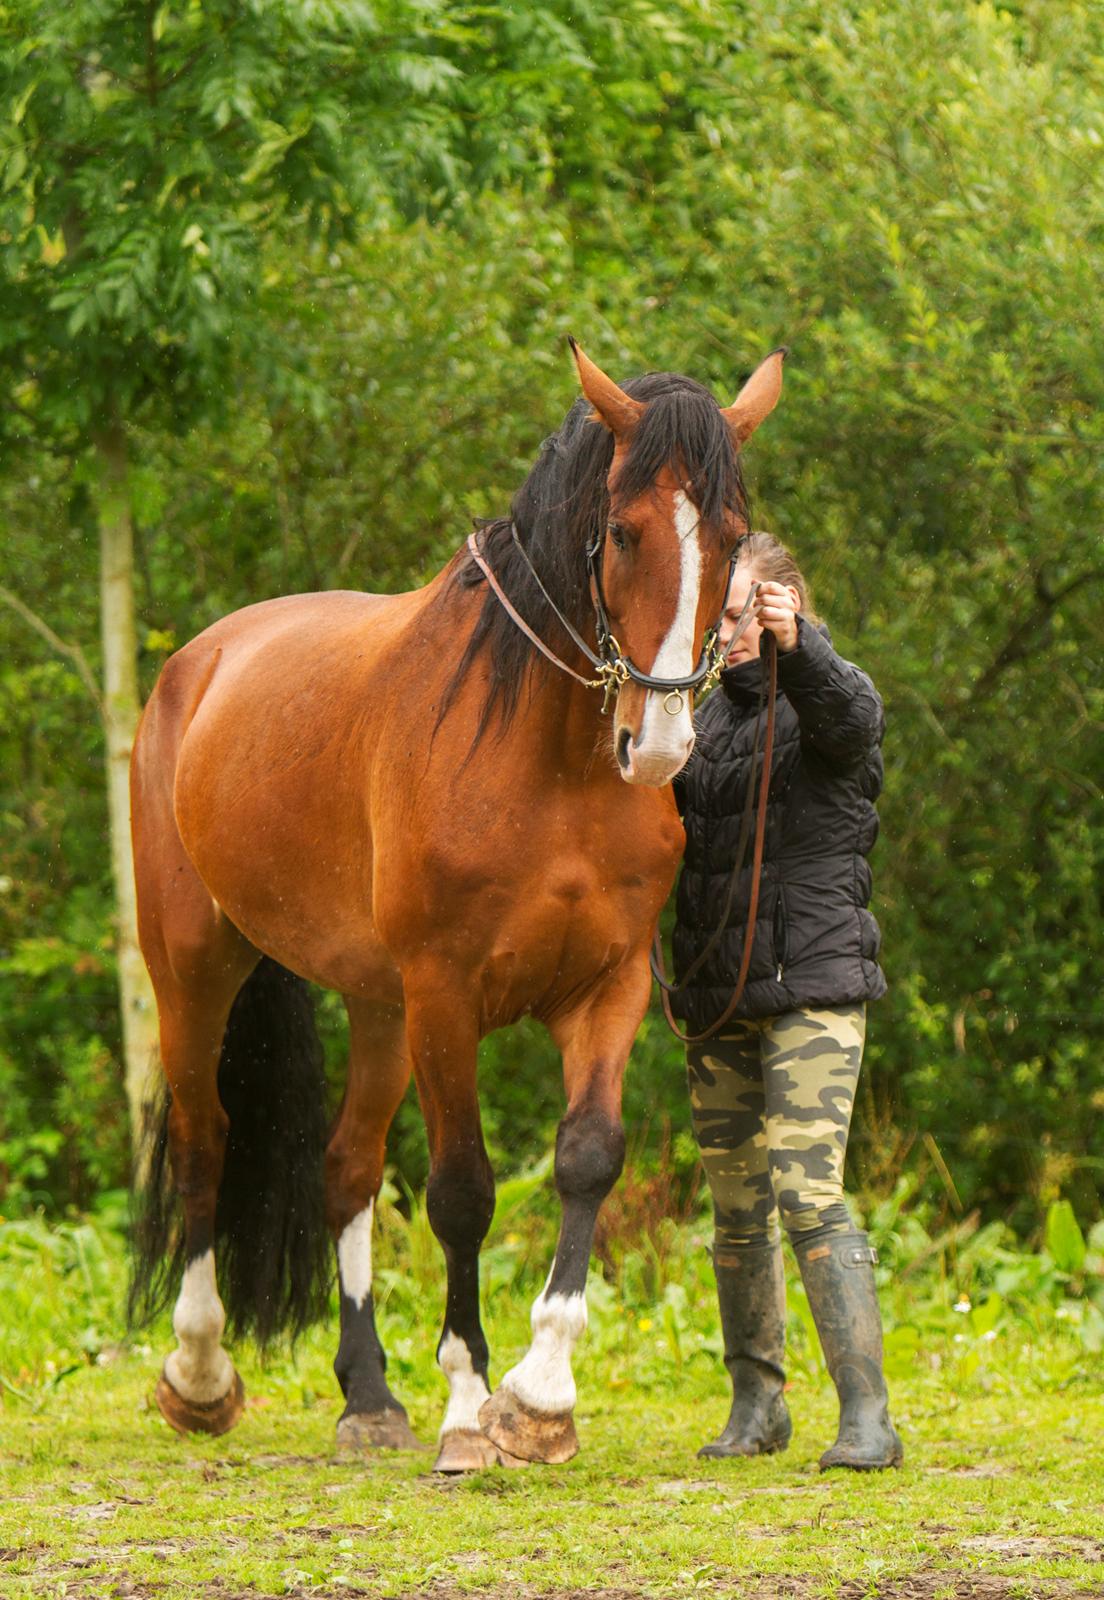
<point>460,1197</point>
<point>531,1412</point>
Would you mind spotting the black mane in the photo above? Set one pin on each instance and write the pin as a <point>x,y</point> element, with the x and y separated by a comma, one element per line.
<point>564,501</point>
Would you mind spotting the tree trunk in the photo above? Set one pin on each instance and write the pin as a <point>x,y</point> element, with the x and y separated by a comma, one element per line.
<point>120,719</point>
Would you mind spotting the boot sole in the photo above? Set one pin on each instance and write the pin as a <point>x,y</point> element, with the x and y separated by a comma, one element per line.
<point>770,1447</point>
<point>861,1466</point>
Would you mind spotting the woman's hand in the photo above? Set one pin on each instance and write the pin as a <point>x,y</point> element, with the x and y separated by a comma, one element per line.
<point>776,610</point>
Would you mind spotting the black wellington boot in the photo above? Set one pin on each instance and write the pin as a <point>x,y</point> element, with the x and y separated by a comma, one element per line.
<point>838,1273</point>
<point>751,1290</point>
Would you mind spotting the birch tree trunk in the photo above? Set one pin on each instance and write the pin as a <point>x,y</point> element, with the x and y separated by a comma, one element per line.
<point>120,719</point>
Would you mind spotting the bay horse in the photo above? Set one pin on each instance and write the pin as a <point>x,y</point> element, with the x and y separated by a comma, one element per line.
<point>399,797</point>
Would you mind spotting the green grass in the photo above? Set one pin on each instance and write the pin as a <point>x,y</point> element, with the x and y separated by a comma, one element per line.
<point>1001,1405</point>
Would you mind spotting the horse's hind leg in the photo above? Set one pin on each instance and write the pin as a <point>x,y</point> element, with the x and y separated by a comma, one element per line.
<point>379,1071</point>
<point>199,1390</point>
<point>197,962</point>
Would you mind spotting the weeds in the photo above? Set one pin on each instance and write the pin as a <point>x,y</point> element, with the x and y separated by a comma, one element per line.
<point>966,1300</point>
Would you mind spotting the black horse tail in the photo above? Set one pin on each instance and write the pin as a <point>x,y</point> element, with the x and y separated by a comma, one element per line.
<point>272,1250</point>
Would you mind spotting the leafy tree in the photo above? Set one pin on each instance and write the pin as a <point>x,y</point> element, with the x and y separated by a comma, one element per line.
<point>147,152</point>
<point>912,199</point>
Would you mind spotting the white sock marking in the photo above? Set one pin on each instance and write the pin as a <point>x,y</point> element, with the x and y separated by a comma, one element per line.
<point>543,1378</point>
<point>199,1369</point>
<point>354,1257</point>
<point>467,1390</point>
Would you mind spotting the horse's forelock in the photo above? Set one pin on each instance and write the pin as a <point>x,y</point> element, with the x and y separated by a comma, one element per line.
<point>684,431</point>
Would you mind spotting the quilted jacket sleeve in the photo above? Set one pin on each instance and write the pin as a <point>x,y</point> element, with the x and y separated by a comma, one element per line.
<point>838,708</point>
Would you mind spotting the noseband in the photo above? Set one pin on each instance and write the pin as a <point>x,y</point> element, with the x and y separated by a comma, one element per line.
<point>612,665</point>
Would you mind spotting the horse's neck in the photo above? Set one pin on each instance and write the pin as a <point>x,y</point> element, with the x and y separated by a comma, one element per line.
<point>557,723</point>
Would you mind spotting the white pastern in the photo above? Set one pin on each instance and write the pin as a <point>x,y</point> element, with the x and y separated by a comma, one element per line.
<point>354,1257</point>
<point>665,741</point>
<point>199,1370</point>
<point>467,1391</point>
<point>543,1378</point>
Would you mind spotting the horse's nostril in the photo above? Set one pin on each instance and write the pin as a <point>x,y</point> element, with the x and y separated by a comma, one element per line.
<point>624,740</point>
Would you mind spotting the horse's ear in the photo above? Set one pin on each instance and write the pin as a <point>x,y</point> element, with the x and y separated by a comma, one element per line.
<point>757,399</point>
<point>619,411</point>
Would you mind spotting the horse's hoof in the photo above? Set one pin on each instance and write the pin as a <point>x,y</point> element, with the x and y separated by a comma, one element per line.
<point>521,1431</point>
<point>188,1416</point>
<point>360,1434</point>
<point>468,1450</point>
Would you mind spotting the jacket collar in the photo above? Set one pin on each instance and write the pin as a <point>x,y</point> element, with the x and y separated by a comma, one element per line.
<point>741,684</point>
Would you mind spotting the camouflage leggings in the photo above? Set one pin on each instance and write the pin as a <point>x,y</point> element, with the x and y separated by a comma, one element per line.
<point>771,1103</point>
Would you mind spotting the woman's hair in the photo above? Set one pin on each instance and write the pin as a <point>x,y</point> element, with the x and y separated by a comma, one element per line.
<point>773,563</point>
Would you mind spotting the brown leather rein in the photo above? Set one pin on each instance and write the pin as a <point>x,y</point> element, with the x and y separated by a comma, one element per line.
<point>658,970</point>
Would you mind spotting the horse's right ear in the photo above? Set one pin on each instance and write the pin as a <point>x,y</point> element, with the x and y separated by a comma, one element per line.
<point>618,410</point>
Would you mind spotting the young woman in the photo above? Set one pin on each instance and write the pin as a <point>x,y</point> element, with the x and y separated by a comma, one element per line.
<point>772,1093</point>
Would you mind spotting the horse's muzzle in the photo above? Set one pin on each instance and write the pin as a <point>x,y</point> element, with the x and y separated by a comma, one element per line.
<point>654,767</point>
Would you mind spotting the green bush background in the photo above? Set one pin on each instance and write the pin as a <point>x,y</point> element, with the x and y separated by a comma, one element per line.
<point>911,198</point>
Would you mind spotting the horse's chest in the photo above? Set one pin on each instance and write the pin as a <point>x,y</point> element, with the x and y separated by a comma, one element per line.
<point>578,908</point>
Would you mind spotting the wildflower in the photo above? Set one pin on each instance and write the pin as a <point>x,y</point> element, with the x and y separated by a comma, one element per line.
<point>645,1324</point>
<point>963,1303</point>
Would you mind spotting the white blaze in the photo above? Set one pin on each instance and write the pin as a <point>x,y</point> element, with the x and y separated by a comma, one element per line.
<point>467,1391</point>
<point>199,1369</point>
<point>665,741</point>
<point>543,1378</point>
<point>354,1257</point>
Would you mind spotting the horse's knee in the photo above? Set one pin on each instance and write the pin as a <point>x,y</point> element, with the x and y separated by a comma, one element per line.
<point>590,1152</point>
<point>460,1201</point>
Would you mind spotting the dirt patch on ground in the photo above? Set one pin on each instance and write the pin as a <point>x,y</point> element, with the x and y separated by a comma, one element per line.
<point>927,1585</point>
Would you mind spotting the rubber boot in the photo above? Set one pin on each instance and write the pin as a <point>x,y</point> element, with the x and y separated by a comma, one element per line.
<point>751,1291</point>
<point>838,1273</point>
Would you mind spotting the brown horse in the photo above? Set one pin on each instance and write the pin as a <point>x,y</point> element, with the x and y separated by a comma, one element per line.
<point>398,798</point>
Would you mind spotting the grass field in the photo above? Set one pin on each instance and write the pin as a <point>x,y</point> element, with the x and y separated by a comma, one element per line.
<point>1000,1402</point>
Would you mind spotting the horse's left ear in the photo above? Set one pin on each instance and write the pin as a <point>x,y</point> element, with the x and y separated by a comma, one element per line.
<point>618,410</point>
<point>757,399</point>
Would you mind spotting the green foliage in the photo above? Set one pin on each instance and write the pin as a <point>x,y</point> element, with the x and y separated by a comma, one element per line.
<point>148,152</point>
<point>967,1303</point>
<point>911,198</point>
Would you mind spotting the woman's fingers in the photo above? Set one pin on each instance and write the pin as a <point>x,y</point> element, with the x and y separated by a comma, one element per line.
<point>776,611</point>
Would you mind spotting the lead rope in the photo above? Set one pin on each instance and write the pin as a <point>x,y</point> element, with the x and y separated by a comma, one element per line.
<point>756,877</point>
<point>737,865</point>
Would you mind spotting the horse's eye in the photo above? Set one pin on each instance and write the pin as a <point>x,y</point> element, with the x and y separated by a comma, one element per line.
<point>617,534</point>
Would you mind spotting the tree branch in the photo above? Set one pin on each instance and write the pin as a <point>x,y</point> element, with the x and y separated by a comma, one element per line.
<point>1030,631</point>
<point>72,652</point>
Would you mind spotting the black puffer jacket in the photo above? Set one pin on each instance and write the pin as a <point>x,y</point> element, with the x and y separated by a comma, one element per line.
<point>815,942</point>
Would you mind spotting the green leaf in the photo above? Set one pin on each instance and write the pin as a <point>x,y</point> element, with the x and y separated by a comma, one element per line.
<point>1064,1239</point>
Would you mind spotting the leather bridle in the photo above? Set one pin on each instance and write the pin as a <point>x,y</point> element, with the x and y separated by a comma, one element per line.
<point>612,666</point>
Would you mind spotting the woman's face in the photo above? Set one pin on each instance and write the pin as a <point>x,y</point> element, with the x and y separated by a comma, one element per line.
<point>746,647</point>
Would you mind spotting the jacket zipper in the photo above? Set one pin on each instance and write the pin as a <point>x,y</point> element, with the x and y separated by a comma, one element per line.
<point>780,940</point>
